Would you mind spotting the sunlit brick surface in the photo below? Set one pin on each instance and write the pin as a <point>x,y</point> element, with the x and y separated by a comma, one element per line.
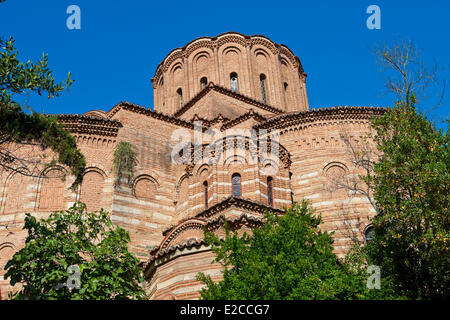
<point>164,206</point>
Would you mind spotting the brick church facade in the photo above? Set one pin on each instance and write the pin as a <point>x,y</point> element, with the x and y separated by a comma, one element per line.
<point>221,89</point>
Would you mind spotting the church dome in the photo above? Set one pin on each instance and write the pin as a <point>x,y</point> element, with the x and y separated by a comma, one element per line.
<point>253,66</point>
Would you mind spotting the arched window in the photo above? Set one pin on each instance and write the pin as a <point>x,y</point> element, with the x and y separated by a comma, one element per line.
<point>15,197</point>
<point>145,188</point>
<point>180,97</point>
<point>203,82</point>
<point>285,86</point>
<point>368,235</point>
<point>92,190</point>
<point>290,182</point>
<point>52,190</point>
<point>205,191</point>
<point>161,91</point>
<point>270,191</point>
<point>262,82</point>
<point>236,182</point>
<point>234,82</point>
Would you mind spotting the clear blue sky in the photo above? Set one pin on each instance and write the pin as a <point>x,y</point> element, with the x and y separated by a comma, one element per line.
<point>114,55</point>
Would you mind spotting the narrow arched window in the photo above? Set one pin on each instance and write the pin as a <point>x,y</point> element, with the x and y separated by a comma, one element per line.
<point>285,86</point>
<point>180,97</point>
<point>270,191</point>
<point>205,191</point>
<point>236,182</point>
<point>368,235</point>
<point>262,82</point>
<point>161,90</point>
<point>234,82</point>
<point>290,182</point>
<point>203,82</point>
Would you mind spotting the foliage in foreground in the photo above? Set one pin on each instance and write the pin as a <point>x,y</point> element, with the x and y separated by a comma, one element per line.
<point>411,193</point>
<point>75,237</point>
<point>287,258</point>
<point>19,126</point>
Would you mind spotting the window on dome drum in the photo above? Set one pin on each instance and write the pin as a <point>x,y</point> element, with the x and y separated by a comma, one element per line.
<point>180,97</point>
<point>368,235</point>
<point>270,191</point>
<point>236,182</point>
<point>203,82</point>
<point>205,190</point>
<point>234,82</point>
<point>262,81</point>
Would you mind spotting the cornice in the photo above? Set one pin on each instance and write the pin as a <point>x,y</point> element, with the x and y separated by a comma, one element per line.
<point>344,113</point>
<point>237,202</point>
<point>88,124</point>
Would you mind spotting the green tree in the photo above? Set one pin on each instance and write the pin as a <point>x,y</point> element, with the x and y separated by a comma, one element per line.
<point>79,238</point>
<point>287,258</point>
<point>411,193</point>
<point>19,126</point>
<point>407,181</point>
